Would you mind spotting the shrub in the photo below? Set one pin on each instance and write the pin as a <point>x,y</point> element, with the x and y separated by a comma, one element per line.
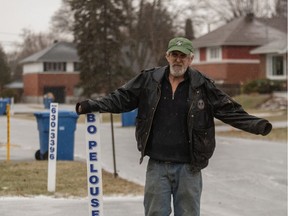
<point>9,93</point>
<point>263,86</point>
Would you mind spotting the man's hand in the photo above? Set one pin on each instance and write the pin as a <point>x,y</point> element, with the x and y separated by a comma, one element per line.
<point>79,109</point>
<point>83,107</point>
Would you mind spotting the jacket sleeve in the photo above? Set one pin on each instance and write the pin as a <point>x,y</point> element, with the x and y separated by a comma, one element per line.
<point>123,99</point>
<point>232,113</point>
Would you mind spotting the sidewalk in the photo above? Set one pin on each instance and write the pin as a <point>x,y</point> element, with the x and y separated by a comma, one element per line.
<point>46,206</point>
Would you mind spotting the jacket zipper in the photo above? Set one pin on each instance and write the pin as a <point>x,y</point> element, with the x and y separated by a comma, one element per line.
<point>191,118</point>
<point>143,152</point>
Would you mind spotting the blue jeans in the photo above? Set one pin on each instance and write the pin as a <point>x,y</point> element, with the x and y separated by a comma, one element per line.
<point>176,179</point>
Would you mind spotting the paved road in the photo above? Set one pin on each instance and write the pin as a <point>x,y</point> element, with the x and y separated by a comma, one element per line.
<point>244,177</point>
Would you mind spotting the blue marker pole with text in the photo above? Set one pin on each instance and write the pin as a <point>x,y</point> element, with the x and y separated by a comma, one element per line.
<point>94,170</point>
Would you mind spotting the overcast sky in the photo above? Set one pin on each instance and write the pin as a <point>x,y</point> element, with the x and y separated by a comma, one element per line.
<point>16,15</point>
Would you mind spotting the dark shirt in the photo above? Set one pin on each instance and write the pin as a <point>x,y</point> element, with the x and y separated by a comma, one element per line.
<point>168,139</point>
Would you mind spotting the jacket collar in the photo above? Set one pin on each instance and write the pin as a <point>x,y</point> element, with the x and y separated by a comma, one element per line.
<point>159,73</point>
<point>196,78</point>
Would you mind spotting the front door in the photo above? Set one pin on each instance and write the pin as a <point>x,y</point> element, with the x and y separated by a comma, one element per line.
<point>57,91</point>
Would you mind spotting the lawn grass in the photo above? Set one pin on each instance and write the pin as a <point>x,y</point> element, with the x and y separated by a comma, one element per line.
<point>30,178</point>
<point>277,134</point>
<point>251,101</point>
<point>105,117</point>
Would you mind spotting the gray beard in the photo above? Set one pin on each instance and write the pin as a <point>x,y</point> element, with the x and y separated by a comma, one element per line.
<point>177,73</point>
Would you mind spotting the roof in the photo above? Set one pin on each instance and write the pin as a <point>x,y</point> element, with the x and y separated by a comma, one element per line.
<point>279,23</point>
<point>15,85</point>
<point>244,31</point>
<point>278,46</point>
<point>57,52</point>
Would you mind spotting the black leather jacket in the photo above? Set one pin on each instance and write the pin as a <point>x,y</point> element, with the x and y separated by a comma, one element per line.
<point>206,102</point>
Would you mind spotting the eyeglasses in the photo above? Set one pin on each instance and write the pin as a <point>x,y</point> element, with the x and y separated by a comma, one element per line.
<point>179,55</point>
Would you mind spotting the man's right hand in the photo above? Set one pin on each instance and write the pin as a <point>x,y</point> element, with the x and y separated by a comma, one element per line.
<point>83,107</point>
<point>79,109</point>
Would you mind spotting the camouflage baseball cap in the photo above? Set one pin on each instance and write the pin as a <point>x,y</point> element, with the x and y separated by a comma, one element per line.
<point>180,44</point>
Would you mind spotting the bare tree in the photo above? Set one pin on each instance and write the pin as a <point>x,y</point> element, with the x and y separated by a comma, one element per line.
<point>31,43</point>
<point>62,21</point>
<point>195,10</point>
<point>149,35</point>
<point>210,14</point>
<point>189,30</point>
<point>227,10</point>
<point>281,8</point>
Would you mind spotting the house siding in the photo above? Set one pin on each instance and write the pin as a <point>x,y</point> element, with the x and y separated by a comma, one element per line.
<point>238,52</point>
<point>213,71</point>
<point>32,67</point>
<point>262,67</point>
<point>229,73</point>
<point>242,73</point>
<point>34,84</point>
<point>30,82</point>
<point>237,65</point>
<point>202,52</point>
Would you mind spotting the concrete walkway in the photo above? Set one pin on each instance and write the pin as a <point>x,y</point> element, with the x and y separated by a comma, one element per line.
<point>47,206</point>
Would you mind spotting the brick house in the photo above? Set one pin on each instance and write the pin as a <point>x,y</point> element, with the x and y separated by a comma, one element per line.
<point>225,53</point>
<point>273,59</point>
<point>52,70</point>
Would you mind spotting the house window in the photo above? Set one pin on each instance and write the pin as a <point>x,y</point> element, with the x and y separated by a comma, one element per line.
<point>55,66</point>
<point>276,66</point>
<point>76,66</point>
<point>196,55</point>
<point>214,53</point>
